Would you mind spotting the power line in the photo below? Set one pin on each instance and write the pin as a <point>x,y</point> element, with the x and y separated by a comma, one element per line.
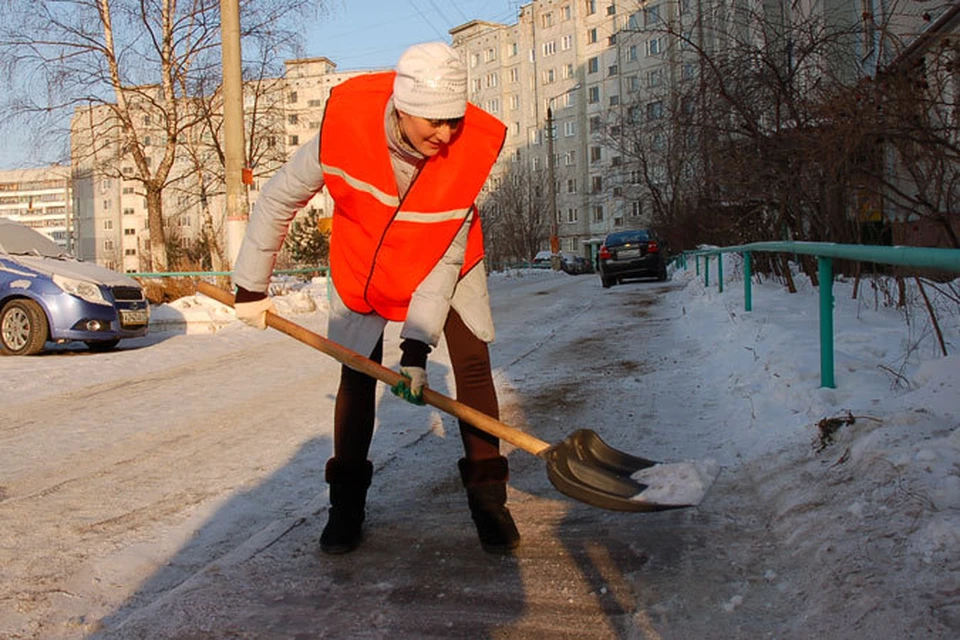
<point>426,19</point>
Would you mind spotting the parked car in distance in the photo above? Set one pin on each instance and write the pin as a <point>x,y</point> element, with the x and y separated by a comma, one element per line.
<point>574,264</point>
<point>47,295</point>
<point>632,254</point>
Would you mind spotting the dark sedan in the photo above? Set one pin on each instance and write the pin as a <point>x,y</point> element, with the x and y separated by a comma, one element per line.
<point>632,254</point>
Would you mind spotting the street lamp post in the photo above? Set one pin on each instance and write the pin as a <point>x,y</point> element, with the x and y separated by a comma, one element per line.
<point>552,187</point>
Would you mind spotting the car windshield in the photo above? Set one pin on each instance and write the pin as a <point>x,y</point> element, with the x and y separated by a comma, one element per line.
<point>623,237</point>
<point>17,239</point>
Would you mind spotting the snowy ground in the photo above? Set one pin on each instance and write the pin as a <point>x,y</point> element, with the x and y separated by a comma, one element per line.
<point>174,488</point>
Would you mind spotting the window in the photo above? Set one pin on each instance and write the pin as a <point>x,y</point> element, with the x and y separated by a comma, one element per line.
<point>146,121</point>
<point>514,49</point>
<point>549,76</point>
<point>632,53</point>
<point>655,78</point>
<point>566,12</point>
<point>598,213</point>
<point>129,252</point>
<point>127,191</point>
<point>549,48</point>
<point>293,118</point>
<point>493,105</point>
<point>571,186</point>
<point>567,70</point>
<point>107,225</point>
<point>614,101</point>
<point>618,191</point>
<point>688,71</point>
<point>611,10</point>
<point>591,7</point>
<point>612,70</point>
<point>107,204</point>
<point>293,141</point>
<point>593,95</point>
<point>108,245</point>
<point>129,232</point>
<point>596,184</point>
<point>573,214</point>
<point>570,129</point>
<point>596,124</point>
<point>633,84</point>
<point>147,141</point>
<point>566,43</point>
<point>593,65</point>
<point>514,101</point>
<point>592,36</point>
<point>128,211</point>
<point>492,80</point>
<point>612,40</point>
<point>515,74</point>
<point>653,47</point>
<point>595,155</point>
<point>655,110</point>
<point>546,20</point>
<point>314,103</point>
<point>651,15</point>
<point>474,60</point>
<point>535,163</point>
<point>570,158</point>
<point>616,161</point>
<point>477,84</point>
<point>535,136</point>
<point>636,209</point>
<point>292,97</point>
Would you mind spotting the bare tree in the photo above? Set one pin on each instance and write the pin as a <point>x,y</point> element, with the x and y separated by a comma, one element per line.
<point>516,214</point>
<point>132,64</point>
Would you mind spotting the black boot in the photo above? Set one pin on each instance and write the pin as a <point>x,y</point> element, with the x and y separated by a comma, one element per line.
<point>486,484</point>
<point>348,495</point>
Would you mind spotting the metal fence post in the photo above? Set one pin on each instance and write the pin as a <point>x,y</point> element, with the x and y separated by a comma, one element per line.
<point>706,271</point>
<point>825,273</point>
<point>747,286</point>
<point>720,272</point>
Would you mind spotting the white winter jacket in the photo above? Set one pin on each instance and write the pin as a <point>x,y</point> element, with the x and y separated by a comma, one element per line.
<point>290,189</point>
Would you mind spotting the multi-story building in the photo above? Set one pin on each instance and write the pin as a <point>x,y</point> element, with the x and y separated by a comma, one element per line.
<point>567,79</point>
<point>40,198</point>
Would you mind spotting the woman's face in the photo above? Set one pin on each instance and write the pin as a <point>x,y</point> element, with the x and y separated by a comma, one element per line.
<point>428,136</point>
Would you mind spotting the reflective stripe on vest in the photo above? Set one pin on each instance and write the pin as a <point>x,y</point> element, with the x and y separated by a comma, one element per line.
<point>382,247</point>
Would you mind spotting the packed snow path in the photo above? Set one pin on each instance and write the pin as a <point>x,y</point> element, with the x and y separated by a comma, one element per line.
<point>174,489</point>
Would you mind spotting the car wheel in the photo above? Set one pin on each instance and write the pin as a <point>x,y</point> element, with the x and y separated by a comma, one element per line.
<point>102,345</point>
<point>23,328</point>
<point>662,276</point>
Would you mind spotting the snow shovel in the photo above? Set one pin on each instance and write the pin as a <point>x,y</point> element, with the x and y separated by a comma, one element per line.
<point>582,466</point>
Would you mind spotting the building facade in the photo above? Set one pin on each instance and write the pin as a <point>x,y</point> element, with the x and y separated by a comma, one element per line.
<point>42,199</point>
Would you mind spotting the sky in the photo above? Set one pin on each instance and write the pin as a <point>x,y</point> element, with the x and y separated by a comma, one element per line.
<point>355,34</point>
<point>365,34</point>
<point>855,487</point>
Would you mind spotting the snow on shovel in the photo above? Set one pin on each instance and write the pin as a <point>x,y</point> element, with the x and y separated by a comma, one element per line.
<point>582,466</point>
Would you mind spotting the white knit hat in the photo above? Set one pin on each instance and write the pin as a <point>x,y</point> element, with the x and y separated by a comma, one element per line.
<point>431,82</point>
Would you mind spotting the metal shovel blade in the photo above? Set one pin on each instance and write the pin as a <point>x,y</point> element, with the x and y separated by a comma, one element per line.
<point>587,469</point>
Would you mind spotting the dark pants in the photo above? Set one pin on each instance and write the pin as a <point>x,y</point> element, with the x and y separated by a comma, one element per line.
<point>356,398</point>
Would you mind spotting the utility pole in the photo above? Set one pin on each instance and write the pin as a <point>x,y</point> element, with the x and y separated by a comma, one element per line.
<point>552,194</point>
<point>552,187</point>
<point>237,206</point>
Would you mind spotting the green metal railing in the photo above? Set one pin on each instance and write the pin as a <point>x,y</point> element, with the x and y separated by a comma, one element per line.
<point>193,274</point>
<point>825,252</point>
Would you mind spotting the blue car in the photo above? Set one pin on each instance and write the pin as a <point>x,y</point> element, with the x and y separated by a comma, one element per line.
<point>49,296</point>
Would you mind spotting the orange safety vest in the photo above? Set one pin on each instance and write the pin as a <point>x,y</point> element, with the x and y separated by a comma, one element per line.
<point>381,247</point>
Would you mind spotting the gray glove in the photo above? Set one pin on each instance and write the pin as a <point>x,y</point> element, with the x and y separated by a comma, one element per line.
<point>413,367</point>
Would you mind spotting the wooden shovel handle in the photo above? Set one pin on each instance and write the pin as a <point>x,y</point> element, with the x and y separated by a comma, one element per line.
<point>354,360</point>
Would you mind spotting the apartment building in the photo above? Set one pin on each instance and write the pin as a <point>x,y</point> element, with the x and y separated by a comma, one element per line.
<point>574,63</point>
<point>40,198</point>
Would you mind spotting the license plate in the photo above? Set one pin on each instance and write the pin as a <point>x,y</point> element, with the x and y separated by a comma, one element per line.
<point>134,318</point>
<point>628,253</point>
